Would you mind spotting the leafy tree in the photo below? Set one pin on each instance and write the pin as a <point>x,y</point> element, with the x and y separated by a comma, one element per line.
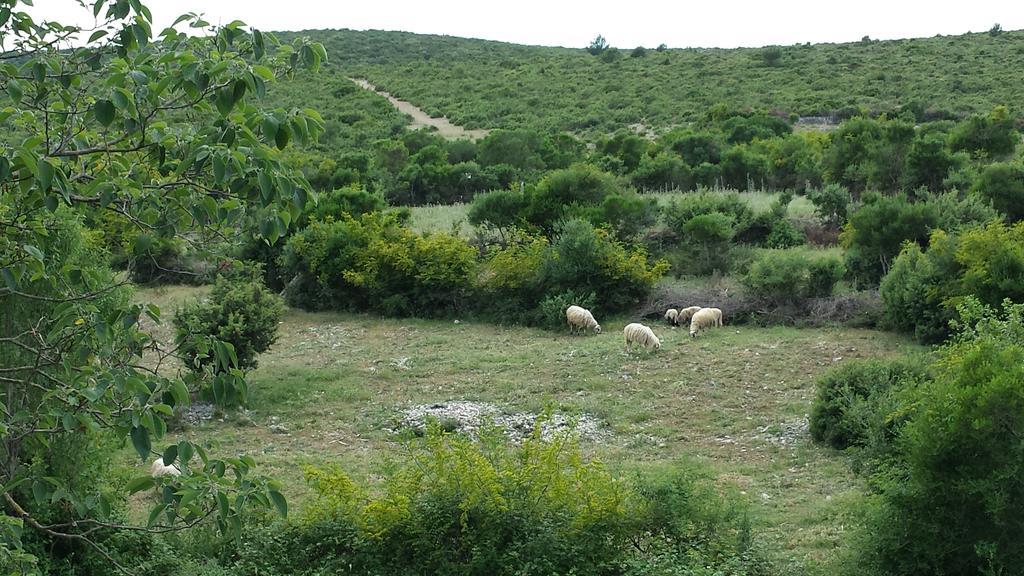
<point>928,163</point>
<point>597,45</point>
<point>638,52</point>
<point>1002,184</point>
<point>992,135</point>
<point>875,233</point>
<point>166,133</point>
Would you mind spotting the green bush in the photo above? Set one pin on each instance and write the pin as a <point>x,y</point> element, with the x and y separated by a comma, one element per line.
<point>923,288</point>
<point>952,504</point>
<point>781,276</point>
<point>1002,184</point>
<point>680,211</point>
<point>876,232</point>
<point>586,259</point>
<point>626,213</point>
<point>239,310</point>
<point>463,507</point>
<point>785,235</point>
<point>375,263</point>
<point>850,408</point>
<point>830,203</point>
<point>500,210</point>
<point>707,241</point>
<point>562,193</point>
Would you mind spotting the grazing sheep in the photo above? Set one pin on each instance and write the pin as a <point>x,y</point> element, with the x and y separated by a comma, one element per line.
<point>718,316</point>
<point>158,469</point>
<point>636,333</point>
<point>704,318</point>
<point>670,315</point>
<point>581,319</point>
<point>685,314</point>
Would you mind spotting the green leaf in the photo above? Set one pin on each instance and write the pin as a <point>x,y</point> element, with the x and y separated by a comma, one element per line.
<point>45,174</point>
<point>104,112</point>
<point>184,451</point>
<point>218,169</point>
<point>97,35</point>
<point>153,311</point>
<point>39,72</point>
<point>170,454</point>
<point>282,137</point>
<point>140,439</point>
<point>270,127</point>
<point>222,505</point>
<point>14,90</point>
<point>33,251</point>
<point>139,484</point>
<point>225,100</point>
<point>263,72</point>
<point>279,502</point>
<point>9,279</point>
<point>155,514</point>
<point>258,47</point>
<point>40,492</point>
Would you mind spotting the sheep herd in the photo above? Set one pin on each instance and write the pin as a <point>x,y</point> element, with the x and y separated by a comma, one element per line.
<point>580,320</point>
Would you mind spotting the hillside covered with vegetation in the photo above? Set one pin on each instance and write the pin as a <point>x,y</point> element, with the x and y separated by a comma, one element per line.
<point>485,84</point>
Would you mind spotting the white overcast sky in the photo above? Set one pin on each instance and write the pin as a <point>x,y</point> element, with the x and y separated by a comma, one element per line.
<point>625,24</point>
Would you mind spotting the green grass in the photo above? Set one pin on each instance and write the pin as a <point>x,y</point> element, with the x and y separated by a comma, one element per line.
<point>441,218</point>
<point>328,392</point>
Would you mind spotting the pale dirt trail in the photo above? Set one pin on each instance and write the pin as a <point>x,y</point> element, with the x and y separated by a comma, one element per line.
<point>421,119</point>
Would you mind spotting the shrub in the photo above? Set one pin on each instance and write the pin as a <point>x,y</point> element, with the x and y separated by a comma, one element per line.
<point>1002,184</point>
<point>460,507</point>
<point>992,135</point>
<point>627,214</point>
<point>850,408</point>
<point>681,210</point>
<point>561,194</point>
<point>952,505</point>
<point>351,200</point>
<point>662,172</point>
<point>500,210</point>
<point>830,203</point>
<point>239,310</point>
<point>707,238</point>
<point>781,276</point>
<point>785,235</point>
<point>586,259</point>
<point>876,232</point>
<point>923,288</point>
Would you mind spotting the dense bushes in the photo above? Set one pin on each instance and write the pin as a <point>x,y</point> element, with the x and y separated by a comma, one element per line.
<point>923,288</point>
<point>580,259</point>
<point>950,501</point>
<point>461,507</point>
<point>780,276</point>
<point>854,402</point>
<point>375,263</point>
<point>874,234</point>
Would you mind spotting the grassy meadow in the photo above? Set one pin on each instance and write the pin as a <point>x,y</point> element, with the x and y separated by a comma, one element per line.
<point>329,393</point>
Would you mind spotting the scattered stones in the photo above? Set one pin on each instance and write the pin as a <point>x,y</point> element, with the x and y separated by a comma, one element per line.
<point>785,433</point>
<point>198,412</point>
<point>469,417</point>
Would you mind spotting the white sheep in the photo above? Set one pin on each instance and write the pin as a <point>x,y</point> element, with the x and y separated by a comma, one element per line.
<point>637,333</point>
<point>685,314</point>
<point>705,318</point>
<point>670,315</point>
<point>158,469</point>
<point>581,319</point>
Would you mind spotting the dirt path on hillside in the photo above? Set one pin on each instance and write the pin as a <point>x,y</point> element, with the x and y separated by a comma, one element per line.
<point>421,119</point>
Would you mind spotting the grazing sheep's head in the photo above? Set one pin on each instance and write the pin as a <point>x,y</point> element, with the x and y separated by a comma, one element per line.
<point>597,328</point>
<point>657,345</point>
<point>693,334</point>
